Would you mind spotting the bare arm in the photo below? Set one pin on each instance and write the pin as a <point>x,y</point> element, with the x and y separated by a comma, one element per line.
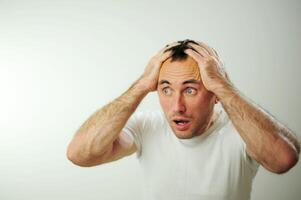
<point>96,135</point>
<point>100,139</point>
<point>267,140</point>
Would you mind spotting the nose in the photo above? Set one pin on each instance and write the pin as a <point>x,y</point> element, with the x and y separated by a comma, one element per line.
<point>179,104</point>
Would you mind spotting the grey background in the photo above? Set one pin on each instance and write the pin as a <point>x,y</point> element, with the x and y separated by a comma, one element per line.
<point>62,60</point>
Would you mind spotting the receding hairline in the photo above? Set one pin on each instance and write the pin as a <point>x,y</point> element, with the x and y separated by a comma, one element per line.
<point>170,60</point>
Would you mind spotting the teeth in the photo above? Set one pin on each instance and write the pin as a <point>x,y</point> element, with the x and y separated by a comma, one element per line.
<point>181,122</point>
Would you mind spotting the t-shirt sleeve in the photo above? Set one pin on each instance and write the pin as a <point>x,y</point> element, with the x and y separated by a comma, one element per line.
<point>248,161</point>
<point>134,128</point>
<point>252,163</point>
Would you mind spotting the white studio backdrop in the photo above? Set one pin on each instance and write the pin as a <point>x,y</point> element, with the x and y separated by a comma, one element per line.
<point>60,61</point>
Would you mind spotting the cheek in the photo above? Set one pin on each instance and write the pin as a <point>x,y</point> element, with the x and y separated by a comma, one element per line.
<point>201,101</point>
<point>165,103</point>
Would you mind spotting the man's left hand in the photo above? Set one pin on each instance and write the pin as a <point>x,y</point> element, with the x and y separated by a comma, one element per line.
<point>211,69</point>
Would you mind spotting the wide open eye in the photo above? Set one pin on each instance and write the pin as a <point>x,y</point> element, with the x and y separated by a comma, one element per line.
<point>191,91</point>
<point>166,91</point>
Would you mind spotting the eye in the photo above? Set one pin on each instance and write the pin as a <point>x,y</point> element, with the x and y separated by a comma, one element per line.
<point>166,91</point>
<point>191,91</point>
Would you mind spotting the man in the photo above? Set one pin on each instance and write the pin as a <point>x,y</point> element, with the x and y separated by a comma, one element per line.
<point>190,150</point>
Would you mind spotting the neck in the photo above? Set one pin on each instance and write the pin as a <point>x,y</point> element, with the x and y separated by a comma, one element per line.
<point>211,121</point>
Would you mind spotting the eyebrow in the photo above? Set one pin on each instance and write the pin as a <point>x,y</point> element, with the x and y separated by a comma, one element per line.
<point>185,82</point>
<point>164,81</point>
<point>191,81</point>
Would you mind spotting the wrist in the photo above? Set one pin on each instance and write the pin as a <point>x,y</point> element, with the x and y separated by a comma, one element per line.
<point>136,92</point>
<point>142,85</point>
<point>146,84</point>
<point>225,92</point>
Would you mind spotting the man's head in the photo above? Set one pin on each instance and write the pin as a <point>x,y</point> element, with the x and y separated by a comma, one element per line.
<point>187,105</point>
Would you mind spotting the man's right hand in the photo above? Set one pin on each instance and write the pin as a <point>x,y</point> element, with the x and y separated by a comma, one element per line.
<point>149,78</point>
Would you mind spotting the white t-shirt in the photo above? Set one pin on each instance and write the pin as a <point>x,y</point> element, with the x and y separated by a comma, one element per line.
<point>212,166</point>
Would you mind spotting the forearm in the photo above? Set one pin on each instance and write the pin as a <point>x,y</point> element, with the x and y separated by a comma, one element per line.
<point>103,127</point>
<point>268,140</point>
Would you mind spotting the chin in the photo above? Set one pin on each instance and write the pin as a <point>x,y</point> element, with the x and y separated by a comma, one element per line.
<point>183,135</point>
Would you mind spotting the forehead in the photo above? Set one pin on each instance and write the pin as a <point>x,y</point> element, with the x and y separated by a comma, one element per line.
<point>178,71</point>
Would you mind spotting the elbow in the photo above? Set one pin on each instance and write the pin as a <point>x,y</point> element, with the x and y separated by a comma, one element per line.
<point>289,162</point>
<point>76,159</point>
<point>73,157</point>
<point>286,158</point>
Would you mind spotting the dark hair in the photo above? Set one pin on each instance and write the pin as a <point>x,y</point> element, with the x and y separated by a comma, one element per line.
<point>178,50</point>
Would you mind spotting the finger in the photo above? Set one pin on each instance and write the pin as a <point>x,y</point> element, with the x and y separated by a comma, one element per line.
<point>200,49</point>
<point>209,49</point>
<point>195,55</point>
<point>215,52</point>
<point>227,76</point>
<point>221,68</point>
<point>164,56</point>
<point>217,60</point>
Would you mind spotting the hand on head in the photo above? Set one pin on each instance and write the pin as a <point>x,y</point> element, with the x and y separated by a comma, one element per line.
<point>206,57</point>
<point>213,73</point>
<point>151,72</point>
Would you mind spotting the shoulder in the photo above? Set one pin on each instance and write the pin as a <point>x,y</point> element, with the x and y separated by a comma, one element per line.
<point>147,118</point>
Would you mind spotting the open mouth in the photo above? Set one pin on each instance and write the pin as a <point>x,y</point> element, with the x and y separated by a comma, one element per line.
<point>182,125</point>
<point>181,122</point>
